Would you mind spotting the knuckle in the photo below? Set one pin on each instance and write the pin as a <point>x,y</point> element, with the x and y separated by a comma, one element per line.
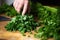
<point>26,1</point>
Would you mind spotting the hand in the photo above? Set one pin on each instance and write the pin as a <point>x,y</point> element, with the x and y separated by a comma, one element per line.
<point>18,4</point>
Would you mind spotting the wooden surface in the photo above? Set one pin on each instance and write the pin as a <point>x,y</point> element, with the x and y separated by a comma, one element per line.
<point>5,35</point>
<point>13,35</point>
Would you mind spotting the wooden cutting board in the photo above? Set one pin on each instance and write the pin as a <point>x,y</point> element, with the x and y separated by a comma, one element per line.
<point>5,35</point>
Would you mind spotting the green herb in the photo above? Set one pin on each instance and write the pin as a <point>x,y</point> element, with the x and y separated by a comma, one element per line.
<point>50,18</point>
<point>22,23</point>
<point>8,10</point>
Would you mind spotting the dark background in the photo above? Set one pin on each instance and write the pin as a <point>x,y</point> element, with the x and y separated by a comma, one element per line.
<point>48,2</point>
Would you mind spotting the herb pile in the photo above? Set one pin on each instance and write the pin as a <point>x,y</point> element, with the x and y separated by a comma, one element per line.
<point>22,23</point>
<point>8,10</point>
<point>50,18</point>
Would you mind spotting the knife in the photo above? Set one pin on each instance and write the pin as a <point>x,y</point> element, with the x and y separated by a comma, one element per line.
<point>3,18</point>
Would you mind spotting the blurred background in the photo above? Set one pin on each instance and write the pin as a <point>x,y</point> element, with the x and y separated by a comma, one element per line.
<point>44,2</point>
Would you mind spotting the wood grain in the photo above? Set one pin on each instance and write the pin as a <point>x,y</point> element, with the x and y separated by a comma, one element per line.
<point>5,35</point>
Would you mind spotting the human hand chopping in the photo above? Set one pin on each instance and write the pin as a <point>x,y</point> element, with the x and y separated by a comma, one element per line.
<point>19,4</point>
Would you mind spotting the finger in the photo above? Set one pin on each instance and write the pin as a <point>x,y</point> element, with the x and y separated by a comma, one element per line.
<point>15,5</point>
<point>19,7</point>
<point>25,7</point>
